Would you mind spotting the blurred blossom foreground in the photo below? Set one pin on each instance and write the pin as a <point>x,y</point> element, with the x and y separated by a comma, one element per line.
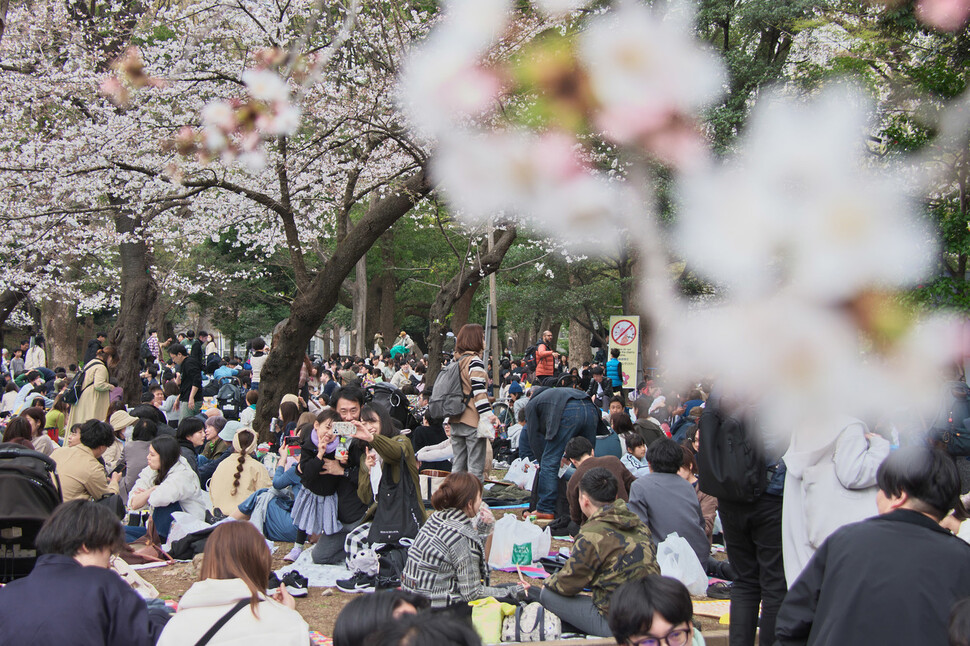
<point>807,243</point>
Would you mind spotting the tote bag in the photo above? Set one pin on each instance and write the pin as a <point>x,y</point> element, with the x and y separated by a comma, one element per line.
<point>397,515</point>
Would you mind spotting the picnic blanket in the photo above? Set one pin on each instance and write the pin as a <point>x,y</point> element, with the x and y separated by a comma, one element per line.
<point>318,576</point>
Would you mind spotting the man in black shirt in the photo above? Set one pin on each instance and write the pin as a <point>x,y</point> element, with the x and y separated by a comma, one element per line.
<point>189,379</point>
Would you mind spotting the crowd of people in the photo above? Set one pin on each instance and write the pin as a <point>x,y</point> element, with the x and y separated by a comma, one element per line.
<point>823,534</point>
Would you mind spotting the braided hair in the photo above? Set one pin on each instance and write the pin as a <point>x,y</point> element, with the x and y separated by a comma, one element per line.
<point>245,439</point>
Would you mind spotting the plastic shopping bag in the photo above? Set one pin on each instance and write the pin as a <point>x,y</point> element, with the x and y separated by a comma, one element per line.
<point>522,473</point>
<point>518,542</point>
<point>676,559</point>
<point>487,616</point>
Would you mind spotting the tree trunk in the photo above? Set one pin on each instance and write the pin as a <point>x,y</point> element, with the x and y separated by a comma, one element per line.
<point>579,349</point>
<point>310,307</point>
<point>4,4</point>
<point>9,300</point>
<point>463,307</point>
<point>60,330</point>
<point>472,274</point>
<point>139,291</point>
<point>360,308</point>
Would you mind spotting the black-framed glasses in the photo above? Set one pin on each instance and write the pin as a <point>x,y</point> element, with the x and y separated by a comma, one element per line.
<point>679,637</point>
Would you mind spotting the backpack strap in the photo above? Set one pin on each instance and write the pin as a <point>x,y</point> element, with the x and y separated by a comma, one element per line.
<point>242,603</point>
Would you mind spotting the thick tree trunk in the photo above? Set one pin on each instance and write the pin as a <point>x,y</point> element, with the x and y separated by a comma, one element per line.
<point>139,291</point>
<point>579,349</point>
<point>463,307</point>
<point>9,300</point>
<point>472,274</point>
<point>310,307</point>
<point>60,330</point>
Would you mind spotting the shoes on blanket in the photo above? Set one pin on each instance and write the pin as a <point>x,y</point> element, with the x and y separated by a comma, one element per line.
<point>294,582</point>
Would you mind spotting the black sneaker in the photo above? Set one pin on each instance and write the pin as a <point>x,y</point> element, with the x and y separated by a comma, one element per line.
<point>296,584</point>
<point>273,586</point>
<point>360,582</point>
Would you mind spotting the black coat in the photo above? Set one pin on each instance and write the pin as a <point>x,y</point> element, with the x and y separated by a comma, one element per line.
<point>891,579</point>
<point>191,371</point>
<point>99,608</point>
<point>593,388</point>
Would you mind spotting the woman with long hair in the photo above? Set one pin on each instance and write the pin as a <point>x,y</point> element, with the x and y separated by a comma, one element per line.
<point>96,390</point>
<point>239,475</point>
<point>447,562</point>
<point>41,441</point>
<point>19,431</point>
<point>235,568</point>
<point>167,485</point>
<point>469,448</point>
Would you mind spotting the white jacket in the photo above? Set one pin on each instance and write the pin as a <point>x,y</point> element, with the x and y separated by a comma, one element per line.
<point>181,485</point>
<point>830,482</point>
<point>207,601</point>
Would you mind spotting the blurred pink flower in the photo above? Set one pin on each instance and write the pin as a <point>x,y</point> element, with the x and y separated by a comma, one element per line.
<point>948,15</point>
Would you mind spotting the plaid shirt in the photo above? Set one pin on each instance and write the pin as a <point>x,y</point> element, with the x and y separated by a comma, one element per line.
<point>446,563</point>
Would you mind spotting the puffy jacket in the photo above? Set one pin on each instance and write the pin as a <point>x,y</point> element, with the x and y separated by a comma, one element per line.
<point>207,601</point>
<point>181,485</point>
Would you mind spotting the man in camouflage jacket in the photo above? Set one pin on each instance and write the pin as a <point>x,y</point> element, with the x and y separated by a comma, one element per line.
<point>612,547</point>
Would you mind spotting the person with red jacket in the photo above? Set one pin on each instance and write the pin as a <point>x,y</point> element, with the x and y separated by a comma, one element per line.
<point>545,357</point>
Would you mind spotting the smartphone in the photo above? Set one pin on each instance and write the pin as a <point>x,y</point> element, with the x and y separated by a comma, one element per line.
<point>344,429</point>
<point>120,468</point>
<point>291,440</point>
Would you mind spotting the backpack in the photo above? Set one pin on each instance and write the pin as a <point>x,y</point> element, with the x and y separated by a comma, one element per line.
<point>448,399</point>
<point>74,389</point>
<point>393,400</point>
<point>392,558</point>
<point>730,463</point>
<point>952,424</point>
<point>146,352</point>
<point>230,398</point>
<point>530,356</point>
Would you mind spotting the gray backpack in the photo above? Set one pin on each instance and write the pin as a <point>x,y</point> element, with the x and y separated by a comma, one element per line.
<point>448,399</point>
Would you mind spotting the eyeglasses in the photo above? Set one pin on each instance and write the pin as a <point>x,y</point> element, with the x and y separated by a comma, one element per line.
<point>679,637</point>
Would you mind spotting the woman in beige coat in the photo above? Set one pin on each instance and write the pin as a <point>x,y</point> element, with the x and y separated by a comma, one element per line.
<point>96,393</point>
<point>238,476</point>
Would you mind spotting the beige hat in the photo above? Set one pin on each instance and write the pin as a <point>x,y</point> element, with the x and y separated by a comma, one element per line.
<point>120,420</point>
<point>290,397</point>
<point>238,446</point>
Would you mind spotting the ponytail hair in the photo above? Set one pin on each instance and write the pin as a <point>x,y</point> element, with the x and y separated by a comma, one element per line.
<point>245,439</point>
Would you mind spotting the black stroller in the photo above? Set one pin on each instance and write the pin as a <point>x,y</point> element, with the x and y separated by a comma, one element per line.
<point>29,492</point>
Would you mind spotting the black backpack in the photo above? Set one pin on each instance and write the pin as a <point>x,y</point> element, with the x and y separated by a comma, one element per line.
<point>730,462</point>
<point>74,389</point>
<point>230,398</point>
<point>146,352</point>
<point>393,400</point>
<point>530,356</point>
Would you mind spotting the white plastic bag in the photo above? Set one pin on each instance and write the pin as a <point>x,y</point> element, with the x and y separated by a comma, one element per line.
<point>676,559</point>
<point>517,537</point>
<point>522,473</point>
<point>183,524</point>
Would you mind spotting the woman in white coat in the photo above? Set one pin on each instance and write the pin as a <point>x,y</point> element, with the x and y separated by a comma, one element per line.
<point>168,484</point>
<point>830,482</point>
<point>235,568</point>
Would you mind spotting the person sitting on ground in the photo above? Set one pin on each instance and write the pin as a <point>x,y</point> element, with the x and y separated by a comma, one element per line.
<point>166,485</point>
<point>600,387</point>
<point>216,440</point>
<point>236,479</point>
<point>277,522</point>
<point>647,425</point>
<point>708,503</point>
<point>635,458</point>
<point>667,503</point>
<point>612,548</point>
<point>581,455</point>
<point>620,420</point>
<point>19,431</point>
<point>136,453</point>
<point>652,611</point>
<point>81,475</point>
<point>248,414</point>
<point>76,545</point>
<point>191,438</point>
<point>891,579</point>
<point>169,406</point>
<point>39,437</point>
<point>432,433</point>
<point>368,613</point>
<point>447,561</point>
<point>236,565</point>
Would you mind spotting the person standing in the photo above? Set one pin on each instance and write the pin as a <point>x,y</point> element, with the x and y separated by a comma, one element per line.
<point>95,346</point>
<point>189,379</point>
<point>553,417</point>
<point>96,391</point>
<point>468,447</point>
<point>546,358</point>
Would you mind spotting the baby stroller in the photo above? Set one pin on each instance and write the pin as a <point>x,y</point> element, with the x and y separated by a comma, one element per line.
<point>29,492</point>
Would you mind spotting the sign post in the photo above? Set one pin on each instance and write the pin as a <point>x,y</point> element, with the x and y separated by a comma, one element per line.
<point>625,336</point>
